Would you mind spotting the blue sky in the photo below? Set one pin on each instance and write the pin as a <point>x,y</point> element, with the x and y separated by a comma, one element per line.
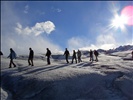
<point>59,24</point>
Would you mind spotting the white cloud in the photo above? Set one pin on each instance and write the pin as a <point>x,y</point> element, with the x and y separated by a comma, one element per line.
<point>26,9</point>
<point>107,46</point>
<point>6,43</point>
<point>77,42</point>
<point>39,28</point>
<point>92,47</point>
<point>48,26</point>
<point>106,41</point>
<point>103,41</point>
<point>56,9</point>
<point>39,44</point>
<point>19,25</point>
<point>21,44</point>
<point>19,28</point>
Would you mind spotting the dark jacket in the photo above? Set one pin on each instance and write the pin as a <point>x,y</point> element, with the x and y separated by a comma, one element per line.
<point>74,54</point>
<point>12,55</point>
<point>79,53</point>
<point>96,53</point>
<point>66,53</point>
<point>31,54</point>
<point>91,53</point>
<point>48,53</point>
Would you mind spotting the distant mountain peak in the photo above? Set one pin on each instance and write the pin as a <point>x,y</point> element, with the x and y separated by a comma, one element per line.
<point>118,49</point>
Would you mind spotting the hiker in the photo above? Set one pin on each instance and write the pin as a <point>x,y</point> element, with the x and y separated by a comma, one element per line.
<point>31,56</point>
<point>12,56</point>
<point>91,55</point>
<point>79,56</point>
<point>96,54</point>
<point>48,54</point>
<point>74,56</point>
<point>66,53</point>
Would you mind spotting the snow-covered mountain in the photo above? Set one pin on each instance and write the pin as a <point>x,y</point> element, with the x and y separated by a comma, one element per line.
<point>118,49</point>
<point>108,79</point>
<point>121,48</point>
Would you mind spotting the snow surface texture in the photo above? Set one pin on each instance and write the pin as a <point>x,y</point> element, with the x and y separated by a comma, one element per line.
<point>109,79</point>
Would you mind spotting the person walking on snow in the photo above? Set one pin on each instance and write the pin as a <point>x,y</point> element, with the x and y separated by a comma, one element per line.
<point>31,56</point>
<point>91,55</point>
<point>96,54</point>
<point>66,53</point>
<point>12,56</point>
<point>74,56</point>
<point>48,54</point>
<point>79,56</point>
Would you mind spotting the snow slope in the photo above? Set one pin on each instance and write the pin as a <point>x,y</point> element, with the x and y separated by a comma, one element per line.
<point>109,79</point>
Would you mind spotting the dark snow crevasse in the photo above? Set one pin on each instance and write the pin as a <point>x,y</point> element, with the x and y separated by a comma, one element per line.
<point>108,86</point>
<point>105,90</point>
<point>116,86</point>
<point>111,77</point>
<point>125,85</point>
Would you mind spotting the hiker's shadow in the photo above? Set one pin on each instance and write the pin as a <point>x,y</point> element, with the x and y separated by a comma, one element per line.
<point>89,64</point>
<point>45,69</point>
<point>52,68</point>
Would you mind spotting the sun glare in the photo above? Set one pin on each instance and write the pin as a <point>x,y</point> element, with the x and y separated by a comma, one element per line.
<point>119,22</point>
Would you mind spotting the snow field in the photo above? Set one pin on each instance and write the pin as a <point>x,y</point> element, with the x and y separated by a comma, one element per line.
<point>109,79</point>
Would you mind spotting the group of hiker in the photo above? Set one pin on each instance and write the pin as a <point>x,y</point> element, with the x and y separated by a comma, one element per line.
<point>67,54</point>
<point>76,56</point>
<point>13,55</point>
<point>96,55</point>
